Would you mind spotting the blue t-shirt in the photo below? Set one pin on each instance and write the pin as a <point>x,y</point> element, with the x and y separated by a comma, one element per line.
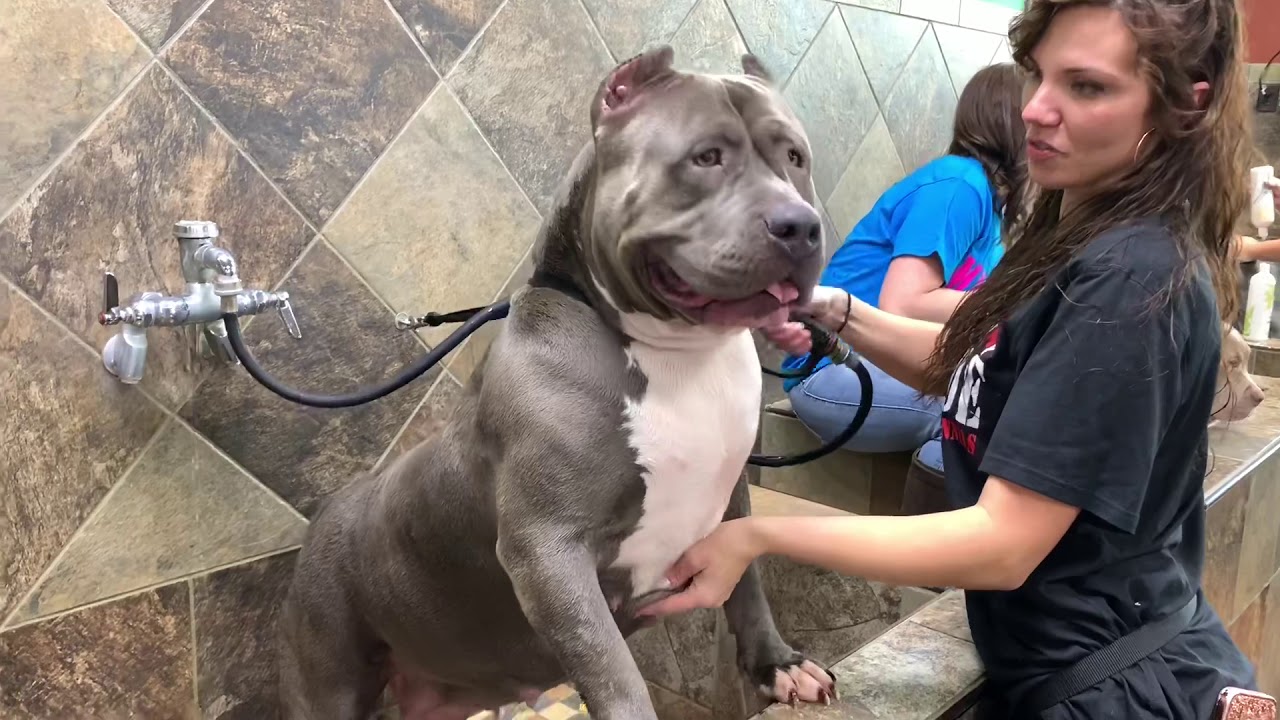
<point>945,208</point>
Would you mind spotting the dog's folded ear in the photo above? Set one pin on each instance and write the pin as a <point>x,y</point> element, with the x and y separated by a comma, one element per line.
<point>624,86</point>
<point>752,66</point>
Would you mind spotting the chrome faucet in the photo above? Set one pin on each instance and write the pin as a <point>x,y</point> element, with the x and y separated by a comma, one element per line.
<point>213,289</point>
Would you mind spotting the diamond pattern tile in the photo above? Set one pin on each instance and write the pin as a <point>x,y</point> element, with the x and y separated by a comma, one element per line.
<point>467,357</point>
<point>349,342</point>
<point>886,5</point>
<point>947,11</point>
<point>921,108</point>
<point>1002,54</point>
<point>528,84</point>
<point>708,41</point>
<point>445,27</point>
<point>70,432</point>
<point>314,89</point>
<point>965,52</point>
<point>629,26</point>
<point>884,43</point>
<point>111,205</point>
<point>414,230</point>
<point>65,60</point>
<point>874,168</point>
<point>126,659</point>
<point>779,31</point>
<point>182,509</point>
<point>831,96</point>
<point>156,21</point>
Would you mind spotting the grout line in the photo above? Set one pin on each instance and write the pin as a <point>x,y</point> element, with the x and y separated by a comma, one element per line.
<point>391,144</point>
<point>475,40</point>
<point>153,586</point>
<point>93,514</point>
<point>195,649</point>
<point>736,26</point>
<point>680,26</point>
<point>408,421</point>
<point>132,31</point>
<point>821,26</point>
<point>182,30</point>
<point>235,143</point>
<point>470,118</point>
<point>594,26</point>
<point>382,301</point>
<point>945,64</point>
<point>413,38</point>
<point>88,130</point>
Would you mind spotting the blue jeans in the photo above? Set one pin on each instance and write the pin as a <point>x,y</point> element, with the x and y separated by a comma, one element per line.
<point>899,421</point>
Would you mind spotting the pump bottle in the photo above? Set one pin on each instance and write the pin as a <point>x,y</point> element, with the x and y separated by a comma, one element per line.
<point>1257,310</point>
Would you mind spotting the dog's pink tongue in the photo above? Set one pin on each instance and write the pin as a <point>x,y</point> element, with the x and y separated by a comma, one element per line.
<point>785,292</point>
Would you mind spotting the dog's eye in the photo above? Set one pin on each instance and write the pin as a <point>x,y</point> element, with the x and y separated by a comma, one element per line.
<point>795,157</point>
<point>707,158</point>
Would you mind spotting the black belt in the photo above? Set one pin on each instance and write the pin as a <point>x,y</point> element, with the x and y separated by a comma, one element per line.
<point>1098,666</point>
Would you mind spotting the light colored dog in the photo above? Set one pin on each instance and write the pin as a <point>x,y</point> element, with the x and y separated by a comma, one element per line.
<point>1238,393</point>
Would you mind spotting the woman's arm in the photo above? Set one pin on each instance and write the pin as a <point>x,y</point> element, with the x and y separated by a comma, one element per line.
<point>913,287</point>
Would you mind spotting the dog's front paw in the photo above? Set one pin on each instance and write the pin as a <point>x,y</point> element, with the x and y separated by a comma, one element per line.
<point>800,680</point>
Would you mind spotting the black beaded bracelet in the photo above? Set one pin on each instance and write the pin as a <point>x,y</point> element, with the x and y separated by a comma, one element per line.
<point>848,307</point>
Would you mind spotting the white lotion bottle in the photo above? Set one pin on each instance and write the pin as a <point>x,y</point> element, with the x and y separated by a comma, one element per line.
<point>1257,309</point>
<point>1262,204</point>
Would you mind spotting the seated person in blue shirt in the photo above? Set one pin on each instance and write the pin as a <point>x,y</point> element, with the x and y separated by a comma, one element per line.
<point>930,239</point>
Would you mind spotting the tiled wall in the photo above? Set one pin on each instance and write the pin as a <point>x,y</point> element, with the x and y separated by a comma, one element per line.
<point>368,156</point>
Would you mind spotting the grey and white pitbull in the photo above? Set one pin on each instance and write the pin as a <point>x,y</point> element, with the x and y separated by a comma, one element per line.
<point>605,431</point>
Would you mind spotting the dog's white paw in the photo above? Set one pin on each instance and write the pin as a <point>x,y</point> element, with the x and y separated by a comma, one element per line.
<point>805,682</point>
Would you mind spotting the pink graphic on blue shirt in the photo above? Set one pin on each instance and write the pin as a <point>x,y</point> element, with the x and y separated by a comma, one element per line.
<point>967,276</point>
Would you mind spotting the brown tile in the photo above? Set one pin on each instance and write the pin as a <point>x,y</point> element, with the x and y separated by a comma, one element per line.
<point>1269,653</point>
<point>429,418</point>
<point>946,615</point>
<point>670,706</point>
<point>155,20</point>
<point>1247,629</point>
<point>468,356</point>
<point>630,26</point>
<point>65,61</point>
<point>349,343</point>
<point>528,83</point>
<point>1220,470</point>
<point>126,659</point>
<point>1238,441</point>
<point>70,431</point>
<point>708,41</point>
<point>111,205</point>
<point>1258,549</point>
<point>235,621</point>
<point>909,672</point>
<point>416,234</point>
<point>445,27</point>
<point>314,89</point>
<point>182,510</point>
<point>1223,536</point>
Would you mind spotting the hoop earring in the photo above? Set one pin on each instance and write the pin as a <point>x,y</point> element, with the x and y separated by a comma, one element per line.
<point>1138,148</point>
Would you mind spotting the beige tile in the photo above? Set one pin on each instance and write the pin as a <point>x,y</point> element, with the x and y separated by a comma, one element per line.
<point>946,615</point>
<point>70,431</point>
<point>445,27</point>
<point>884,42</point>
<point>314,89</point>
<point>874,169</point>
<point>427,421</point>
<point>630,26</point>
<point>111,205</point>
<point>779,32</point>
<point>708,41</point>
<point>349,343</point>
<point>417,231</point>
<point>528,82</point>
<point>155,20</point>
<point>833,100</point>
<point>1260,541</point>
<point>1224,533</point>
<point>65,61</point>
<point>467,357</point>
<point>126,659</point>
<point>182,510</point>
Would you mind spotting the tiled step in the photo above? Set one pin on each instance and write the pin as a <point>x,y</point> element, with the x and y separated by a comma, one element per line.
<point>860,483</point>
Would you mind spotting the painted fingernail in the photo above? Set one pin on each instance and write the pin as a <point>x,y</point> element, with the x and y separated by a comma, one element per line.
<point>822,697</point>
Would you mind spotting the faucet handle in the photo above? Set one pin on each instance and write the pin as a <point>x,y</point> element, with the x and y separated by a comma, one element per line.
<point>286,315</point>
<point>110,300</point>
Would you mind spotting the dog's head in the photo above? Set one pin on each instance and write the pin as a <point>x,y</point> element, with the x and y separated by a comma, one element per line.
<point>703,204</point>
<point>1238,394</point>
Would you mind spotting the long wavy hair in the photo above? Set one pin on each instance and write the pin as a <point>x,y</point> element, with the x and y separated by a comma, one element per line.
<point>988,128</point>
<point>1190,171</point>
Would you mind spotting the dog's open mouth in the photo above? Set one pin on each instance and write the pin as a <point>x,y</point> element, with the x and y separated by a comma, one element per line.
<point>770,306</point>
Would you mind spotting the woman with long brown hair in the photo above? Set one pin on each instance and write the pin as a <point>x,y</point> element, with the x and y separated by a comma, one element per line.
<point>1079,381</point>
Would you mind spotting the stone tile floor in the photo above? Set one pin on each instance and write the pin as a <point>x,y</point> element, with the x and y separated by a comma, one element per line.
<point>559,703</point>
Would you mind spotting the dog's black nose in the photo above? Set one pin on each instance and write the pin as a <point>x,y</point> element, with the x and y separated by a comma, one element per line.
<point>795,224</point>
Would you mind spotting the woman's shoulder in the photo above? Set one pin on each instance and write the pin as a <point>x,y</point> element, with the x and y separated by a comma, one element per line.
<point>953,167</point>
<point>1145,249</point>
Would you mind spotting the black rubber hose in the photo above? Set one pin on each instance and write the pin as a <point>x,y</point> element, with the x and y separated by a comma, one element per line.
<point>495,311</point>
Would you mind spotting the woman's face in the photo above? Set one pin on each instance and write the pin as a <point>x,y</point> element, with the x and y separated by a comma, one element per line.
<point>1084,104</point>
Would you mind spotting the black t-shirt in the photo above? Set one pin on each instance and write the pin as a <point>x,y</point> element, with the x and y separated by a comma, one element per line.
<point>1097,393</point>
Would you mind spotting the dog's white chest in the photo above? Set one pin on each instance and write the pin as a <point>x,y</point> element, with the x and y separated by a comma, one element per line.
<point>692,431</point>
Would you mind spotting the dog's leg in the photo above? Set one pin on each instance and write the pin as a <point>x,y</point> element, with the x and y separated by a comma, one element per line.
<point>777,670</point>
<point>329,667</point>
<point>556,581</point>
